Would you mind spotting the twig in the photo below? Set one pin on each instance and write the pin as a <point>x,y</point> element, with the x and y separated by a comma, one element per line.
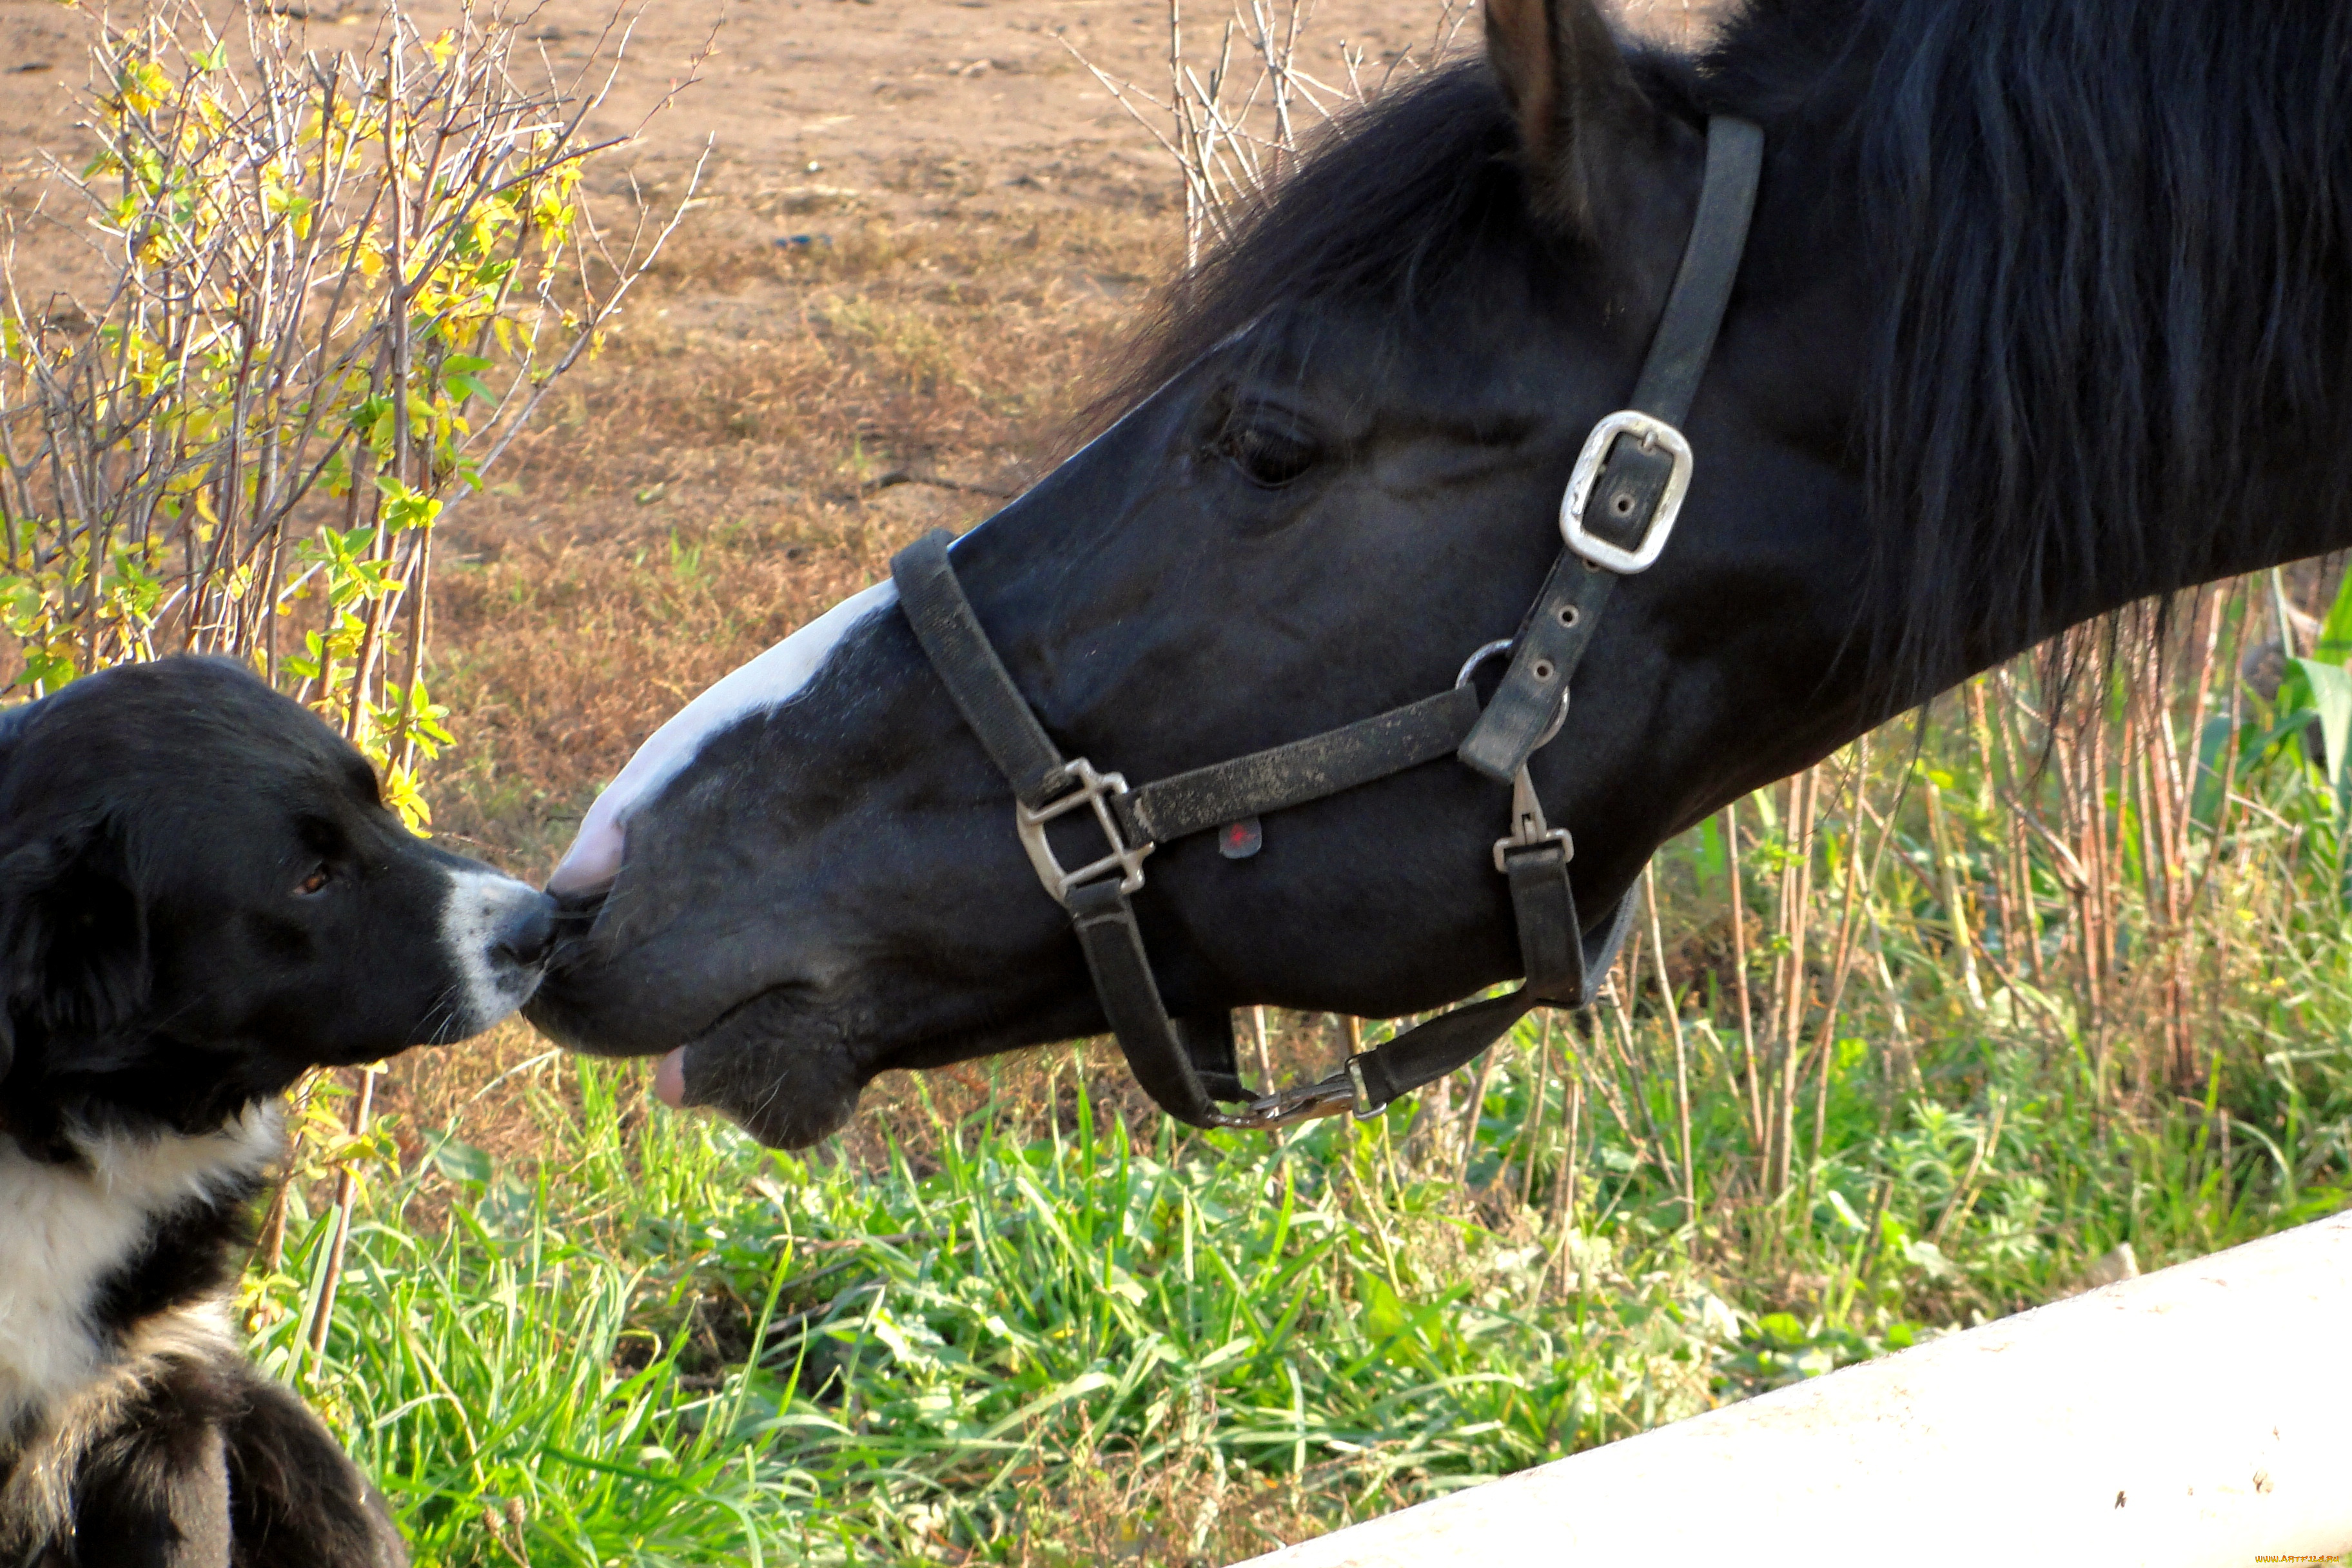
<point>908,477</point>
<point>1682,1059</point>
<point>346,1198</point>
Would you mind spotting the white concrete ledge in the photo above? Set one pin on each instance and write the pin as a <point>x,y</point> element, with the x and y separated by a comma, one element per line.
<point>2199,1415</point>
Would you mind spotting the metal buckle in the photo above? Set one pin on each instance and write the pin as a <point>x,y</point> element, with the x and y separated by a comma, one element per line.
<point>1529,829</point>
<point>1339,1095</point>
<point>1653,433</point>
<point>1094,789</point>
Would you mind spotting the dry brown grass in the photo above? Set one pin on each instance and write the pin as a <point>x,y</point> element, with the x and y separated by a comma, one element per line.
<point>709,484</point>
<point>1182,1505</point>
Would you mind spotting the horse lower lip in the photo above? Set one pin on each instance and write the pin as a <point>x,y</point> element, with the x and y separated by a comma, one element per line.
<point>784,1077</point>
<point>576,1008</point>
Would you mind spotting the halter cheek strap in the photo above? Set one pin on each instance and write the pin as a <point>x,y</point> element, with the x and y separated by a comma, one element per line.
<point>1627,486</point>
<point>1620,507</point>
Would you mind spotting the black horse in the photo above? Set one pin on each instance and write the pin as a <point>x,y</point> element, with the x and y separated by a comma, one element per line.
<point>2046,308</point>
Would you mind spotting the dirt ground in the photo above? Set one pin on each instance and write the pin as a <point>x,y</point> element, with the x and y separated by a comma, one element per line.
<point>859,88</point>
<point>888,105</point>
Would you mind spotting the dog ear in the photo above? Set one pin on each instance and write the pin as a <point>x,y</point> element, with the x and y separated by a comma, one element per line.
<point>73,938</point>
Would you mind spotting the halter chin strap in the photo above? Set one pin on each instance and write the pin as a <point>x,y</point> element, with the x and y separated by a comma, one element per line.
<point>1622,502</point>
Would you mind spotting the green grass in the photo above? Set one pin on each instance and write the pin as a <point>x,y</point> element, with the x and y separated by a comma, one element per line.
<point>918,1353</point>
<point>667,1346</point>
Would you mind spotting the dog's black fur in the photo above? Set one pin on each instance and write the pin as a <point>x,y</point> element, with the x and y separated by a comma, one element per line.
<point>202,896</point>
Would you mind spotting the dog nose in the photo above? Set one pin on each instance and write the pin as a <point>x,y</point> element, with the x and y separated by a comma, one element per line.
<point>528,935</point>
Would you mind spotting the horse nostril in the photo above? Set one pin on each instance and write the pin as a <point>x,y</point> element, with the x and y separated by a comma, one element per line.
<point>530,934</point>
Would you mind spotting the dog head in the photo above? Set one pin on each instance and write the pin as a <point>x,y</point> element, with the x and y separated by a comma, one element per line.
<point>202,894</point>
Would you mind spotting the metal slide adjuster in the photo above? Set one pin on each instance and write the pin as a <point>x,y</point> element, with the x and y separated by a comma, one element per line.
<point>1653,433</point>
<point>1529,829</point>
<point>1096,790</point>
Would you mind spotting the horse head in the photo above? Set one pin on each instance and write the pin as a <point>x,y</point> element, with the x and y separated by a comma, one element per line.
<point>1335,477</point>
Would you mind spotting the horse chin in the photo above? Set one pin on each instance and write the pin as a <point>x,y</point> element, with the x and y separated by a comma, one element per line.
<point>785,1079</point>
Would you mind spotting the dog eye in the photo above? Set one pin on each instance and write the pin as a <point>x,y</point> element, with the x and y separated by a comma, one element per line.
<point>1267,454</point>
<point>315,883</point>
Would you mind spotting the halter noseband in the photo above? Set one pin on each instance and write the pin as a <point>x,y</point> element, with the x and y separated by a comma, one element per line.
<point>1620,507</point>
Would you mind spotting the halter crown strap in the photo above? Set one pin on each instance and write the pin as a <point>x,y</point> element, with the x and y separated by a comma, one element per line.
<point>1629,470</point>
<point>1618,509</point>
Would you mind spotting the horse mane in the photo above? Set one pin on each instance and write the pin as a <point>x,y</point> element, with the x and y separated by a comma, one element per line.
<point>2109,245</point>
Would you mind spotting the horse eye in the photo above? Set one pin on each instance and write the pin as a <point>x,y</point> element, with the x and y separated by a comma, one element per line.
<point>315,883</point>
<point>1265,455</point>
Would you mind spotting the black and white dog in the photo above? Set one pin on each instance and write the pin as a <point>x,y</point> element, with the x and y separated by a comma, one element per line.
<point>201,896</point>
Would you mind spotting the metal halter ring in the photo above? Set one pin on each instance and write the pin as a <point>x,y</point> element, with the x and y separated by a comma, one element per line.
<point>1502,646</point>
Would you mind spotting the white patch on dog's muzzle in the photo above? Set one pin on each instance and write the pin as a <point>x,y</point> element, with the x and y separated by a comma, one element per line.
<point>479,920</point>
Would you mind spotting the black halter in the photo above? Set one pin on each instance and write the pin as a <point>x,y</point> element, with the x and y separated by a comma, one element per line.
<point>1620,507</point>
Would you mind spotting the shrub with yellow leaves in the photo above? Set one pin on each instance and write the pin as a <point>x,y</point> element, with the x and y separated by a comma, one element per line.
<point>340,279</point>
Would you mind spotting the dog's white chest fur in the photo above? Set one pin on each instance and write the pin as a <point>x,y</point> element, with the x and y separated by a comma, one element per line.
<point>64,1228</point>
